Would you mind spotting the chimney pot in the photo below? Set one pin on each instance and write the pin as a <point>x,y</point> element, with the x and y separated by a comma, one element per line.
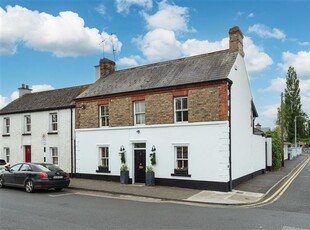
<point>24,89</point>
<point>236,40</point>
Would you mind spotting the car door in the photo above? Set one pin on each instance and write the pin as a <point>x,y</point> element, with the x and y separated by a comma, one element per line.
<point>9,176</point>
<point>22,173</point>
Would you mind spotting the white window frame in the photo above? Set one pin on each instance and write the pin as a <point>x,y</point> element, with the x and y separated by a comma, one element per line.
<point>6,125</point>
<point>54,155</point>
<point>52,123</point>
<point>182,110</point>
<point>139,113</point>
<point>104,116</point>
<point>27,124</point>
<point>182,158</point>
<point>6,151</point>
<point>105,158</point>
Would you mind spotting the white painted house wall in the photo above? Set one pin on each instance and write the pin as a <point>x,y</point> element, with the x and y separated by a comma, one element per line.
<point>269,151</point>
<point>208,147</point>
<point>39,126</point>
<point>247,150</point>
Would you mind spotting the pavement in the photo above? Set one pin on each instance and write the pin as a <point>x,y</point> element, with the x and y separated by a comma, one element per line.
<point>253,191</point>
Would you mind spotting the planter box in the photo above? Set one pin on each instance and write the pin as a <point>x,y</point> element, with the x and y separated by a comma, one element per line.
<point>103,169</point>
<point>124,177</point>
<point>150,178</point>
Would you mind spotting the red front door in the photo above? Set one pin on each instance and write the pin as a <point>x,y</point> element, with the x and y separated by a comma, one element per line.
<point>27,153</point>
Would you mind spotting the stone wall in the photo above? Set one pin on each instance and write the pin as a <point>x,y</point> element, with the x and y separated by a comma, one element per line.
<point>205,103</point>
<point>159,109</point>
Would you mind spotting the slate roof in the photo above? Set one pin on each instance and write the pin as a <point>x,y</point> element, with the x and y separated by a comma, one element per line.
<point>189,70</point>
<point>45,100</point>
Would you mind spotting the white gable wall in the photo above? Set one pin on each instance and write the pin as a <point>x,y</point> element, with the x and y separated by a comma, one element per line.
<point>247,150</point>
<point>39,126</point>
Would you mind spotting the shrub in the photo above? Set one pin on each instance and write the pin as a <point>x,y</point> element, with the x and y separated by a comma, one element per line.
<point>277,150</point>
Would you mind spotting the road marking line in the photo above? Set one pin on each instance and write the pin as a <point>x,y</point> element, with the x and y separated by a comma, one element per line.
<point>281,190</point>
<point>66,194</point>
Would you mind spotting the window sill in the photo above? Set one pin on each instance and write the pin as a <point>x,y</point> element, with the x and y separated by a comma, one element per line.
<point>103,171</point>
<point>26,134</point>
<point>52,133</point>
<point>6,135</point>
<point>181,175</point>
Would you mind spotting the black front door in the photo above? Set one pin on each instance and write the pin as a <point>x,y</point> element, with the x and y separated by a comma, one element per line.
<point>140,166</point>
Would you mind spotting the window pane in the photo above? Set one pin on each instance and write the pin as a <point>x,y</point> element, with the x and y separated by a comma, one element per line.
<point>185,164</point>
<point>185,153</point>
<point>185,116</point>
<point>178,104</point>
<point>140,119</point>
<point>179,164</point>
<point>139,145</point>
<point>179,152</point>
<point>184,103</point>
<point>139,107</point>
<point>178,116</point>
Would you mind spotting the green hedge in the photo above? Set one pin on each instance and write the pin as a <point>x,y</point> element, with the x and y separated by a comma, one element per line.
<point>277,150</point>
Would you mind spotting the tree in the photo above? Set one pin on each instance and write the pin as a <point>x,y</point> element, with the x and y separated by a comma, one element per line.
<point>292,107</point>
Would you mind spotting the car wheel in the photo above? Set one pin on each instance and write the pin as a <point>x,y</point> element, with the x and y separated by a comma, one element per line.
<point>1,182</point>
<point>29,186</point>
<point>58,189</point>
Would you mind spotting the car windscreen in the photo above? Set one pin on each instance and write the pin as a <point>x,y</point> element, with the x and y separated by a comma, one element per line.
<point>2,162</point>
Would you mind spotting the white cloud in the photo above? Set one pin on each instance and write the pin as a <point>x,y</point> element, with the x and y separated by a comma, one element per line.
<point>270,111</point>
<point>163,44</point>
<point>133,60</point>
<point>255,58</point>
<point>266,32</point>
<point>101,9</point>
<point>304,43</point>
<point>39,88</point>
<point>35,88</point>
<point>3,101</point>
<point>124,5</point>
<point>277,84</point>
<point>251,15</point>
<point>193,46</point>
<point>62,35</point>
<point>300,61</point>
<point>169,17</point>
<point>159,44</point>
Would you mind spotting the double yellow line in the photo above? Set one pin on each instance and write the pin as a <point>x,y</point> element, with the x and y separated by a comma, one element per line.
<point>277,194</point>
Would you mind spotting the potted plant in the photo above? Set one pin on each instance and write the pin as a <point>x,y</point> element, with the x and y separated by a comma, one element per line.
<point>124,176</point>
<point>124,172</point>
<point>149,176</point>
<point>149,172</point>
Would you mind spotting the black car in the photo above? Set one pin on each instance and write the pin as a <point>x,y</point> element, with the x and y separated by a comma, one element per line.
<point>32,176</point>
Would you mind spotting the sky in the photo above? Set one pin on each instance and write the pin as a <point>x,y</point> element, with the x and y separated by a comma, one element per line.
<point>51,44</point>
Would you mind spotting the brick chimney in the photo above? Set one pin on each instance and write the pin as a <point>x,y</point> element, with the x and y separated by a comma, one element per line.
<point>24,89</point>
<point>236,40</point>
<point>106,67</point>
